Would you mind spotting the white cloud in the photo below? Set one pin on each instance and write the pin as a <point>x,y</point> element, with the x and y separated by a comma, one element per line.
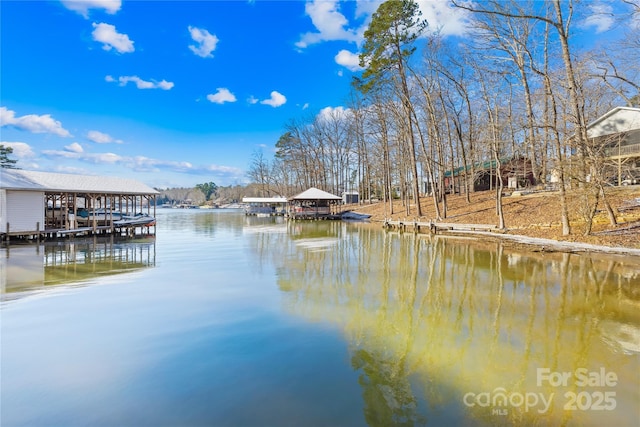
<point>367,7</point>
<point>349,60</point>
<point>305,106</point>
<point>144,164</point>
<point>32,123</point>
<point>330,113</point>
<point>102,138</point>
<point>206,42</point>
<point>94,158</point>
<point>108,158</point>
<point>330,23</point>
<point>139,163</point>
<point>21,150</point>
<point>253,100</point>
<point>61,153</point>
<point>74,148</point>
<point>82,6</point>
<point>111,39</point>
<point>221,96</point>
<point>444,18</point>
<point>141,84</point>
<point>277,99</point>
<point>165,85</point>
<point>7,117</point>
<point>601,17</point>
<point>229,170</point>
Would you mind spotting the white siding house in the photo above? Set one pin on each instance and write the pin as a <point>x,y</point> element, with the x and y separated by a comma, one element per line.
<point>618,132</point>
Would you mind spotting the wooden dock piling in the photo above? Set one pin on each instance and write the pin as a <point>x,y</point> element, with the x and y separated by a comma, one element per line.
<point>434,227</point>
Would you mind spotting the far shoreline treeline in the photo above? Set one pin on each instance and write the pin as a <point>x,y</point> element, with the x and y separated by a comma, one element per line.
<point>206,194</point>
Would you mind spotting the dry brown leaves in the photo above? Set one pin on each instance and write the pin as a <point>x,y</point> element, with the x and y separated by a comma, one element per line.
<point>535,215</point>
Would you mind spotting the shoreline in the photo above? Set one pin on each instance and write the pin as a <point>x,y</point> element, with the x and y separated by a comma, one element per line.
<point>551,245</point>
<point>542,244</point>
<point>530,219</point>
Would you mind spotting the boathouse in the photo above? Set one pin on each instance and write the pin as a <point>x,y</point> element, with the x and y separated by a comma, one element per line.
<point>312,204</point>
<point>265,206</point>
<point>34,203</point>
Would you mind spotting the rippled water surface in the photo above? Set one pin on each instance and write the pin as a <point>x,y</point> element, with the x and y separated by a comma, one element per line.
<point>227,320</point>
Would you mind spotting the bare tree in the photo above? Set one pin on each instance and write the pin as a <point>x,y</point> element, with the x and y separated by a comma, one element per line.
<point>259,172</point>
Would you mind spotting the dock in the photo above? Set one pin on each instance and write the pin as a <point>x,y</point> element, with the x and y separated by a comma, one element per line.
<point>435,227</point>
<point>123,230</point>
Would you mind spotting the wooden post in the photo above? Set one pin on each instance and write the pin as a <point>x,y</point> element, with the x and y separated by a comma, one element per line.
<point>619,161</point>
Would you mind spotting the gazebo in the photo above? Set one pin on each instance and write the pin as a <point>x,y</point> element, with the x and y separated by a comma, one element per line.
<point>312,203</point>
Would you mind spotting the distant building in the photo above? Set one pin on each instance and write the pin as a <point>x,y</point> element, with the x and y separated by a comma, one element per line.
<point>516,172</point>
<point>350,197</point>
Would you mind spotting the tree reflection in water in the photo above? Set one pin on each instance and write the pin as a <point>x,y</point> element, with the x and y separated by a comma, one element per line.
<point>431,319</point>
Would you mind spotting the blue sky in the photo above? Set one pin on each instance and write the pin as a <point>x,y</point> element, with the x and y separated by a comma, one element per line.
<point>176,93</point>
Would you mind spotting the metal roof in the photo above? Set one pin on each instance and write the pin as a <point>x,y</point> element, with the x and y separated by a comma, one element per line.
<point>264,200</point>
<point>629,120</point>
<point>18,179</point>
<point>315,194</point>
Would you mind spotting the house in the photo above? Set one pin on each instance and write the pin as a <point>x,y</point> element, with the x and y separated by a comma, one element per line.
<point>516,172</point>
<point>34,203</point>
<point>618,133</point>
<point>312,203</point>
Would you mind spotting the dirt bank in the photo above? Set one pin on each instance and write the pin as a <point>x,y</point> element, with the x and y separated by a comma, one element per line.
<point>535,215</point>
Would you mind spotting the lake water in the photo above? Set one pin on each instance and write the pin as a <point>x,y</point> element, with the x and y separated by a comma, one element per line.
<point>227,320</point>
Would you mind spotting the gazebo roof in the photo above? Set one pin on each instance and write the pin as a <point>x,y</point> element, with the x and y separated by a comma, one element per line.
<point>315,194</point>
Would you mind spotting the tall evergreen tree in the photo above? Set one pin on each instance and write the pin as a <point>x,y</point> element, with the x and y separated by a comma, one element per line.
<point>5,161</point>
<point>389,43</point>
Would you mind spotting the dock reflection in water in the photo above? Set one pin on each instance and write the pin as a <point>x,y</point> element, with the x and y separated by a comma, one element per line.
<point>27,268</point>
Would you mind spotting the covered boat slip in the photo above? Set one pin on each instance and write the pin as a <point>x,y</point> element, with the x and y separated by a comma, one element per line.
<point>310,204</point>
<point>41,204</point>
<point>265,206</point>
